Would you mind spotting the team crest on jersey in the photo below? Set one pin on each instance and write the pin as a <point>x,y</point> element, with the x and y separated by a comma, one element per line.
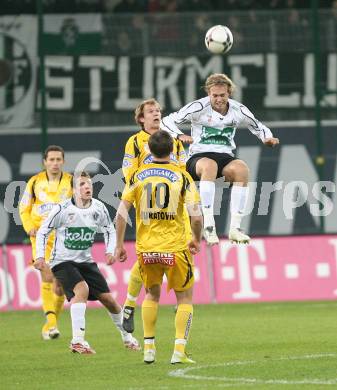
<point>95,216</point>
<point>70,217</point>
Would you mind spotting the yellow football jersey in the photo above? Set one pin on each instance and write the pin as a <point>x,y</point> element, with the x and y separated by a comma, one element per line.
<point>159,192</point>
<point>40,196</point>
<point>137,153</point>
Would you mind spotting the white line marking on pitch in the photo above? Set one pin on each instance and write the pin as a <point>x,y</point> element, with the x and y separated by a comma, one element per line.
<point>184,372</point>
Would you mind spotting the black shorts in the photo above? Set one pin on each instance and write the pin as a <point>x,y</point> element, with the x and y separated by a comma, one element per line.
<point>70,273</point>
<point>222,159</point>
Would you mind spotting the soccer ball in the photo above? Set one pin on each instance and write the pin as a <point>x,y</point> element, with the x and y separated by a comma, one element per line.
<point>219,39</point>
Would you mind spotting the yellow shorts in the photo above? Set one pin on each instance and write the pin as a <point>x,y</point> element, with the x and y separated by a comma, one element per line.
<point>49,246</point>
<point>178,268</point>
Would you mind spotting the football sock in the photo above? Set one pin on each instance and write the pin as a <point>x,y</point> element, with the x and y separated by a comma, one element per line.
<point>77,313</point>
<point>239,197</point>
<point>149,316</point>
<point>58,304</point>
<point>207,193</point>
<point>117,320</point>
<point>47,297</point>
<point>149,343</point>
<point>183,322</point>
<point>134,286</point>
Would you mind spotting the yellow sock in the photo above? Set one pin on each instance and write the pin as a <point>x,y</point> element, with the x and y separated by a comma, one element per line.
<point>134,286</point>
<point>149,316</point>
<point>47,296</point>
<point>58,304</point>
<point>183,322</point>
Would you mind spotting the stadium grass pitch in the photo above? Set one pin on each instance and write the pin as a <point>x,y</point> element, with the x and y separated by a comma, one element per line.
<point>261,346</point>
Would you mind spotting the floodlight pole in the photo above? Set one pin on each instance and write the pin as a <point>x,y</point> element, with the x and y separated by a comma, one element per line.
<point>319,160</point>
<point>42,85</point>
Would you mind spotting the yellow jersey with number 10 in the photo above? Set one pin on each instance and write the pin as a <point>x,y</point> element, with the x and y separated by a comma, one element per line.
<point>159,192</point>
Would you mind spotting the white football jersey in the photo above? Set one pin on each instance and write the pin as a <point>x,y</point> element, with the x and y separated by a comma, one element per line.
<point>210,130</point>
<point>75,230</point>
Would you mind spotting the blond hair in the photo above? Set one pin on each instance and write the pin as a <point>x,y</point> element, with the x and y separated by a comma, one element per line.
<point>139,111</point>
<point>219,79</point>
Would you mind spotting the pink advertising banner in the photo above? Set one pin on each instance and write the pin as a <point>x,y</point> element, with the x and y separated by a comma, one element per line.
<point>20,282</point>
<point>269,269</point>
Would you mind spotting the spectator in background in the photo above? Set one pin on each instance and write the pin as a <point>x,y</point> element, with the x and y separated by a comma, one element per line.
<point>130,6</point>
<point>195,6</point>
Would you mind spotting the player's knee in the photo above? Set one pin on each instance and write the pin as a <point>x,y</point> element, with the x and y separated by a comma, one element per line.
<point>236,171</point>
<point>81,290</point>
<point>207,167</point>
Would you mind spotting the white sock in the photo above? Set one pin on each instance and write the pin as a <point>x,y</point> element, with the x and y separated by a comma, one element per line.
<point>117,319</point>
<point>239,198</point>
<point>207,194</point>
<point>77,313</point>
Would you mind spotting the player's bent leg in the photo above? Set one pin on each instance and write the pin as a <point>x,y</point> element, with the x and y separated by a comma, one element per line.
<point>116,315</point>
<point>237,172</point>
<point>183,323</point>
<point>49,329</point>
<point>134,287</point>
<point>149,317</point>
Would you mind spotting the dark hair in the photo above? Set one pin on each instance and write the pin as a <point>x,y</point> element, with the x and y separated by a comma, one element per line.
<point>53,148</point>
<point>161,144</point>
<point>78,175</point>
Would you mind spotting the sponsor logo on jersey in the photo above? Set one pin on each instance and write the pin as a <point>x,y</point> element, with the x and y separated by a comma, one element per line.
<point>79,238</point>
<point>158,258</point>
<point>148,159</point>
<point>214,136</point>
<point>45,208</point>
<point>170,175</point>
<point>126,163</point>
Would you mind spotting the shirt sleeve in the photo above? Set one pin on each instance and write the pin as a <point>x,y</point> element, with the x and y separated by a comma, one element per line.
<point>255,126</point>
<point>181,155</point>
<point>108,229</point>
<point>129,191</point>
<point>131,158</point>
<point>26,204</point>
<point>53,221</point>
<point>191,193</point>
<point>172,122</point>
